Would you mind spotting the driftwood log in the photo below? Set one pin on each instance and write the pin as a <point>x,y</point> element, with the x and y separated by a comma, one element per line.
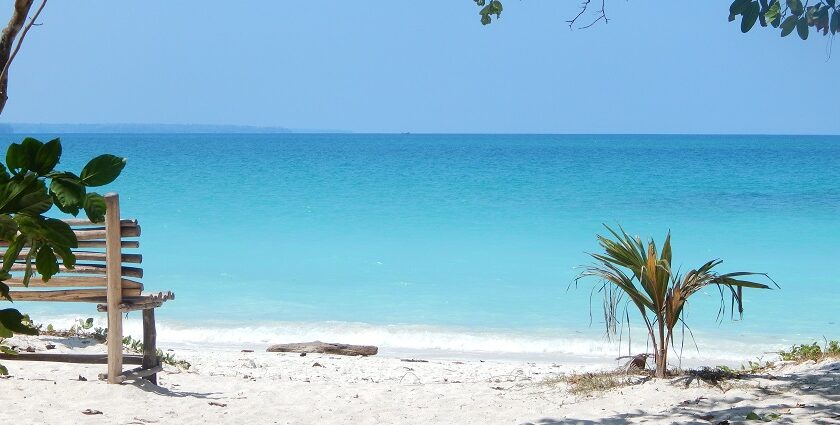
<point>324,348</point>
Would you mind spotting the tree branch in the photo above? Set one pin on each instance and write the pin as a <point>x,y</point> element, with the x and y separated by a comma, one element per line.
<point>584,7</point>
<point>7,39</point>
<point>20,40</point>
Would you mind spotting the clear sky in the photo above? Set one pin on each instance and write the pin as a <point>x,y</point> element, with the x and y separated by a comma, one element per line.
<point>395,66</point>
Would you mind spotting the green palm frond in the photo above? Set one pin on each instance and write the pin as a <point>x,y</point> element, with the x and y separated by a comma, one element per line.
<point>644,276</point>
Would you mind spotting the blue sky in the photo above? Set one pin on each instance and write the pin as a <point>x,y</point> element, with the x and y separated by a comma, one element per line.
<point>394,66</point>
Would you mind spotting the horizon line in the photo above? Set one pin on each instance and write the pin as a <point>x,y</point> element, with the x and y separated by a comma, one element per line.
<point>103,128</point>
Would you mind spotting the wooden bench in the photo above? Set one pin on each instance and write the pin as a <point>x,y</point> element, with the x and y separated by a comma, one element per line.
<point>100,277</point>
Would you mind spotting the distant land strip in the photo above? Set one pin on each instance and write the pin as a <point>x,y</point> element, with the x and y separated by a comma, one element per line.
<point>46,128</point>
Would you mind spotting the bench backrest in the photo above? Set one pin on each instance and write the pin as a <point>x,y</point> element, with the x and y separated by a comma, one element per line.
<point>101,264</point>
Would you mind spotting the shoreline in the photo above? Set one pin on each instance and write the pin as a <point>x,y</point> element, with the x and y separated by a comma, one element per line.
<point>286,388</point>
<point>441,343</point>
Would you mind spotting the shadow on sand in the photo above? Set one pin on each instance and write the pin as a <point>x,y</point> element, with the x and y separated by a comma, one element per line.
<point>823,384</point>
<point>155,389</point>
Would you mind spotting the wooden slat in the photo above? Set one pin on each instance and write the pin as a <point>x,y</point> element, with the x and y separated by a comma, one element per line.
<point>71,281</point>
<point>130,375</point>
<point>94,244</point>
<point>99,234</point>
<point>101,244</point>
<point>70,358</point>
<point>100,256</point>
<point>145,301</point>
<point>98,269</point>
<point>126,307</point>
<point>78,222</point>
<point>88,256</point>
<point>77,295</point>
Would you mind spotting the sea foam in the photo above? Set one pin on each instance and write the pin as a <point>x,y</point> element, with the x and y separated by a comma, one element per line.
<point>429,341</point>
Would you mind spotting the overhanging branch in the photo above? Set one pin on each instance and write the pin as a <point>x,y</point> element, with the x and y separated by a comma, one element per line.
<point>20,40</point>
<point>584,7</point>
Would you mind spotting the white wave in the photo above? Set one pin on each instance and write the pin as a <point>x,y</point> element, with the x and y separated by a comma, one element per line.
<point>428,340</point>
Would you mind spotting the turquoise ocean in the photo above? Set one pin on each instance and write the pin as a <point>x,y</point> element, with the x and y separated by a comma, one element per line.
<point>466,244</point>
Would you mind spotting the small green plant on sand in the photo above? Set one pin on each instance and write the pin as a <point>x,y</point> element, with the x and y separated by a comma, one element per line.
<point>589,383</point>
<point>82,328</point>
<point>168,358</point>
<point>813,351</point>
<point>630,270</point>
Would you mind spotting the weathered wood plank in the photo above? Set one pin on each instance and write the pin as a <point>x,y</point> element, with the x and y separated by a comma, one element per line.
<point>70,358</point>
<point>150,357</point>
<point>114,290</point>
<point>130,375</point>
<point>71,281</point>
<point>126,307</point>
<point>68,295</point>
<point>93,244</point>
<point>83,268</point>
<point>78,222</point>
<point>87,256</point>
<point>96,234</point>
<point>325,348</point>
<point>101,244</point>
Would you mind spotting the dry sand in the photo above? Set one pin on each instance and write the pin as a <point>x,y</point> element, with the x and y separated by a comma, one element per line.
<point>270,388</point>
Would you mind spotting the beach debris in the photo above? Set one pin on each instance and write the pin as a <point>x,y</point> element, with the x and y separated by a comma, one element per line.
<point>636,363</point>
<point>91,412</point>
<point>213,403</point>
<point>414,380</point>
<point>324,348</point>
<point>247,351</point>
<point>414,360</point>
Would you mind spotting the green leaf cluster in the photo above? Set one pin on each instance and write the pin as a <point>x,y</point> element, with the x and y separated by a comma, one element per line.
<point>823,17</point>
<point>493,7</point>
<point>632,270</point>
<point>805,352</point>
<point>30,187</point>
<point>786,15</point>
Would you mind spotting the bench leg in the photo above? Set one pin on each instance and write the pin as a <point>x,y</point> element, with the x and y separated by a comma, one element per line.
<point>150,357</point>
<point>115,346</point>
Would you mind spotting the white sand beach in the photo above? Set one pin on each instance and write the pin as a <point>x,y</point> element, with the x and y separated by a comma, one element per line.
<point>287,388</point>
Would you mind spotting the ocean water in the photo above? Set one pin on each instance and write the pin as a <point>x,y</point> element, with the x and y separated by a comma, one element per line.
<point>467,243</point>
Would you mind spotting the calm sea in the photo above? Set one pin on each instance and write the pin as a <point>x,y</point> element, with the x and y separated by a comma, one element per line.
<point>467,243</point>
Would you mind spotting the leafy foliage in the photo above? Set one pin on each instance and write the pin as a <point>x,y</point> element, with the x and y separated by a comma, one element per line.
<point>786,15</point>
<point>813,351</point>
<point>824,16</point>
<point>82,328</point>
<point>493,7</point>
<point>167,358</point>
<point>29,188</point>
<point>640,274</point>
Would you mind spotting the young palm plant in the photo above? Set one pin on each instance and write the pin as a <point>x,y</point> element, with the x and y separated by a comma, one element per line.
<point>645,277</point>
